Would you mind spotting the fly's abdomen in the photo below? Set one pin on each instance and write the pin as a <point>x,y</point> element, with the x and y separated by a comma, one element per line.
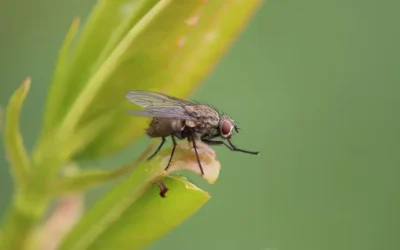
<point>163,127</point>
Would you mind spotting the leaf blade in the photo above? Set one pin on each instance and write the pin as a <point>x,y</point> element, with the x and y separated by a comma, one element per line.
<point>123,197</point>
<point>85,180</point>
<point>16,151</point>
<point>104,18</point>
<point>59,76</point>
<point>96,81</point>
<point>147,221</point>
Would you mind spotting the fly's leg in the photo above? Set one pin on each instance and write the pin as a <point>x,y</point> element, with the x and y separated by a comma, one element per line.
<point>207,140</point>
<point>230,146</point>
<point>163,188</point>
<point>197,155</point>
<point>234,148</point>
<point>172,153</point>
<point>158,149</point>
<point>210,142</point>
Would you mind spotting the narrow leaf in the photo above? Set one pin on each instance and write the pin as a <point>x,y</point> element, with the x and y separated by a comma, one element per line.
<point>86,179</point>
<point>16,152</point>
<point>60,74</point>
<point>151,217</point>
<point>106,18</point>
<point>81,106</point>
<point>110,211</point>
<point>48,148</point>
<point>138,11</point>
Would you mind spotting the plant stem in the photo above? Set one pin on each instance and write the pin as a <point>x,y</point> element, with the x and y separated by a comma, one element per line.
<point>21,221</point>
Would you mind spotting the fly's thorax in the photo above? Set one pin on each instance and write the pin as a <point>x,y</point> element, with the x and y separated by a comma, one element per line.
<point>163,127</point>
<point>203,115</point>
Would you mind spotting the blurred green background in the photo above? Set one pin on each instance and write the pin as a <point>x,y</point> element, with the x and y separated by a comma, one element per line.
<point>315,87</point>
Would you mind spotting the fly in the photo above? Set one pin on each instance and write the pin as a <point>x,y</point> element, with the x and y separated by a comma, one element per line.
<point>183,120</point>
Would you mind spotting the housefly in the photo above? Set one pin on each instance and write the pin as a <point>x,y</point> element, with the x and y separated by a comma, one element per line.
<point>183,120</point>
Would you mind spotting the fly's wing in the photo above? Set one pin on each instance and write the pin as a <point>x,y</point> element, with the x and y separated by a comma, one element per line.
<point>147,99</point>
<point>163,113</point>
<point>158,105</point>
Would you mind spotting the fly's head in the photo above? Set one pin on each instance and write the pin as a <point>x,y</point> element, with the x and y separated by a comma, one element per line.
<point>226,126</point>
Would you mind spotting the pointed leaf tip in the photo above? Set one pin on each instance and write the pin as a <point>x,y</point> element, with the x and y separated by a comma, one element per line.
<point>16,152</point>
<point>26,84</point>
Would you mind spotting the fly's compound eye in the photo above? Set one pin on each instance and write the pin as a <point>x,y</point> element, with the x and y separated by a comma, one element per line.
<point>226,128</point>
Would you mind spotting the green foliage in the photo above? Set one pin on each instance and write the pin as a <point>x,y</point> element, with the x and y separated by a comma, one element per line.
<point>16,152</point>
<point>167,46</point>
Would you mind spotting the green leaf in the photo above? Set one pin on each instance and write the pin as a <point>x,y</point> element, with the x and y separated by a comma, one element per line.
<point>144,223</point>
<point>75,181</point>
<point>86,179</point>
<point>101,30</point>
<point>139,10</point>
<point>148,219</point>
<point>16,152</point>
<point>178,48</point>
<point>48,158</point>
<point>97,81</point>
<point>1,238</point>
<point>57,90</point>
<point>132,197</point>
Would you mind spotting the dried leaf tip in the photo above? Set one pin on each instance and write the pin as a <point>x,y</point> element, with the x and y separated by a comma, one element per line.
<point>26,83</point>
<point>185,159</point>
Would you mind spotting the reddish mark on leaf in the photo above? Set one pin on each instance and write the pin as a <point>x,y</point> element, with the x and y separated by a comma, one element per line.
<point>192,21</point>
<point>64,217</point>
<point>181,42</point>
